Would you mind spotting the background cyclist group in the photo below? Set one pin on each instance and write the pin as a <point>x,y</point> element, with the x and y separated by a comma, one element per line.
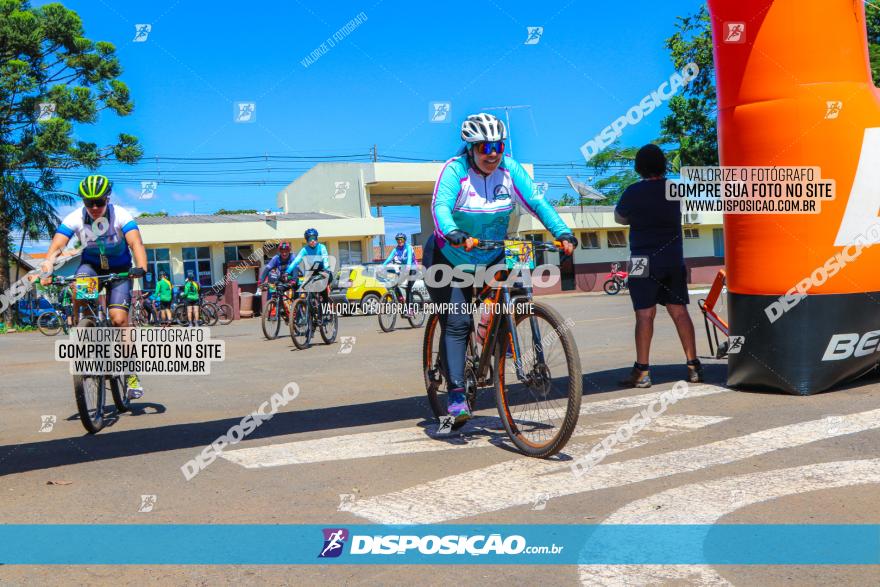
<point>473,199</point>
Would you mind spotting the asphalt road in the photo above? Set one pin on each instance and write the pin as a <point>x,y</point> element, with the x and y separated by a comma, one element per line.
<point>355,447</point>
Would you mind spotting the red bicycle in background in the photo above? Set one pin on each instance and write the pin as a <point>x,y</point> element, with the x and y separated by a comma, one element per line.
<point>616,280</point>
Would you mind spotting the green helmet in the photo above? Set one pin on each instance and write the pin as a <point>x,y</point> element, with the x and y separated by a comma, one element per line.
<point>95,186</point>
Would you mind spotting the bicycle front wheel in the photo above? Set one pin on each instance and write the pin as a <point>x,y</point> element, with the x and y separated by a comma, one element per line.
<point>417,318</point>
<point>387,316</point>
<point>119,388</point>
<point>90,392</point>
<point>50,323</point>
<point>300,324</point>
<point>611,287</point>
<point>329,327</point>
<point>224,314</point>
<point>271,320</point>
<point>540,404</point>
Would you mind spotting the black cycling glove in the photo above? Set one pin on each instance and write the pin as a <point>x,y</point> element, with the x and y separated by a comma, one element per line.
<point>568,238</point>
<point>136,272</point>
<point>457,237</point>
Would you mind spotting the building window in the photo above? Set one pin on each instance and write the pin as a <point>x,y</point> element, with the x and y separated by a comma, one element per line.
<point>351,252</point>
<point>157,260</point>
<point>235,253</point>
<point>590,240</point>
<point>616,239</point>
<point>198,260</point>
<point>691,233</point>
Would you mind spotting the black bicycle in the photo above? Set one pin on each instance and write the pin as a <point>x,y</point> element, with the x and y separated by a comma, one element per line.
<point>394,304</point>
<point>277,309</point>
<point>90,391</point>
<point>308,313</point>
<point>529,356</point>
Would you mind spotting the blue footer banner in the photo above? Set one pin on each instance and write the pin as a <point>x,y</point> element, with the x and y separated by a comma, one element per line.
<point>484,544</point>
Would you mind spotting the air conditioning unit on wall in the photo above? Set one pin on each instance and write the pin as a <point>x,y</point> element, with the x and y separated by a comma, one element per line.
<point>691,218</point>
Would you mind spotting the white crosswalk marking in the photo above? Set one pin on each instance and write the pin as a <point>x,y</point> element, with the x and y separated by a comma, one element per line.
<point>415,440</point>
<point>516,482</point>
<point>707,502</point>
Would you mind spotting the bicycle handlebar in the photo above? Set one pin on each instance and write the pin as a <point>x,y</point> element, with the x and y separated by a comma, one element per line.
<point>488,245</point>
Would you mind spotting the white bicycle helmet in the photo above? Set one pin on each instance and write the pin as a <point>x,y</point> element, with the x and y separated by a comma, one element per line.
<point>482,128</point>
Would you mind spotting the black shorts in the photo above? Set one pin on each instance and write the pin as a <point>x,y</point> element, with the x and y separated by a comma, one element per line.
<point>192,303</point>
<point>662,285</point>
<point>165,305</point>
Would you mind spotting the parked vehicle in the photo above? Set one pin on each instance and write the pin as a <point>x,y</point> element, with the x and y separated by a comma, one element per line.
<point>362,289</point>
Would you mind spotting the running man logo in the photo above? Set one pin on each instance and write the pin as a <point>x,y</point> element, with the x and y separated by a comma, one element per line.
<point>334,540</point>
<point>832,109</point>
<point>245,112</point>
<point>46,111</point>
<point>445,426</point>
<point>638,267</point>
<point>440,111</point>
<point>541,501</point>
<point>734,32</point>
<point>346,344</point>
<point>148,502</point>
<point>47,423</point>
<point>534,35</point>
<point>736,344</point>
<point>342,188</point>
<point>148,189</point>
<point>141,32</point>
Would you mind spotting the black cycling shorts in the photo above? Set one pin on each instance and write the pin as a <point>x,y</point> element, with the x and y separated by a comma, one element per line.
<point>662,285</point>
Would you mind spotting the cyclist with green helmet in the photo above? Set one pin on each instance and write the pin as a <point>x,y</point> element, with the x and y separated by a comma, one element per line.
<point>109,236</point>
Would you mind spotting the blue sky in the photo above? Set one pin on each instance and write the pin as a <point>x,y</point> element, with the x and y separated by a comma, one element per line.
<point>593,62</point>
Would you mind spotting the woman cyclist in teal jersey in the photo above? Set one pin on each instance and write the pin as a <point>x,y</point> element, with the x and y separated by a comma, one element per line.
<point>473,198</point>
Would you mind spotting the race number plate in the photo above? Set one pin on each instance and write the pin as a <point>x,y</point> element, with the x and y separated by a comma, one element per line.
<point>519,254</point>
<point>87,288</point>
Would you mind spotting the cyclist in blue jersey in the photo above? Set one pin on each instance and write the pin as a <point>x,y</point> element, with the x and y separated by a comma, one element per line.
<point>404,256</point>
<point>109,236</point>
<point>473,198</point>
<point>312,253</point>
<point>276,264</point>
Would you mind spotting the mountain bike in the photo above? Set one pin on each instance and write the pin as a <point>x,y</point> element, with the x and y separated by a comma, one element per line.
<point>142,311</point>
<point>51,323</point>
<point>393,301</point>
<point>277,309</point>
<point>90,391</point>
<point>616,280</point>
<point>529,356</point>
<point>308,314</point>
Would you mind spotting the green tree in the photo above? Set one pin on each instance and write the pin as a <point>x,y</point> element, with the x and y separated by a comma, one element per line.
<point>872,17</point>
<point>152,214</point>
<point>566,199</point>
<point>614,166</point>
<point>689,131</point>
<point>224,211</point>
<point>45,58</point>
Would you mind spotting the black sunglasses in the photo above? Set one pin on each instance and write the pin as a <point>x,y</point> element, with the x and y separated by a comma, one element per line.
<point>95,203</point>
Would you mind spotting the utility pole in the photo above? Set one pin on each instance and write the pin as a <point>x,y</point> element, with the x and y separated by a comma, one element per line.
<point>375,154</point>
<point>507,110</point>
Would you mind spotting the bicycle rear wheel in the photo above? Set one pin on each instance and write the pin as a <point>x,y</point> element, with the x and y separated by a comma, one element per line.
<point>119,387</point>
<point>611,287</point>
<point>300,324</point>
<point>271,320</point>
<point>49,323</point>
<point>540,409</point>
<point>180,315</point>
<point>208,314</point>
<point>90,392</point>
<point>386,313</point>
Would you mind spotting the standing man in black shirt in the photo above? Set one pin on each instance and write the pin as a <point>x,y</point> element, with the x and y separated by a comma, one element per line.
<point>655,235</point>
